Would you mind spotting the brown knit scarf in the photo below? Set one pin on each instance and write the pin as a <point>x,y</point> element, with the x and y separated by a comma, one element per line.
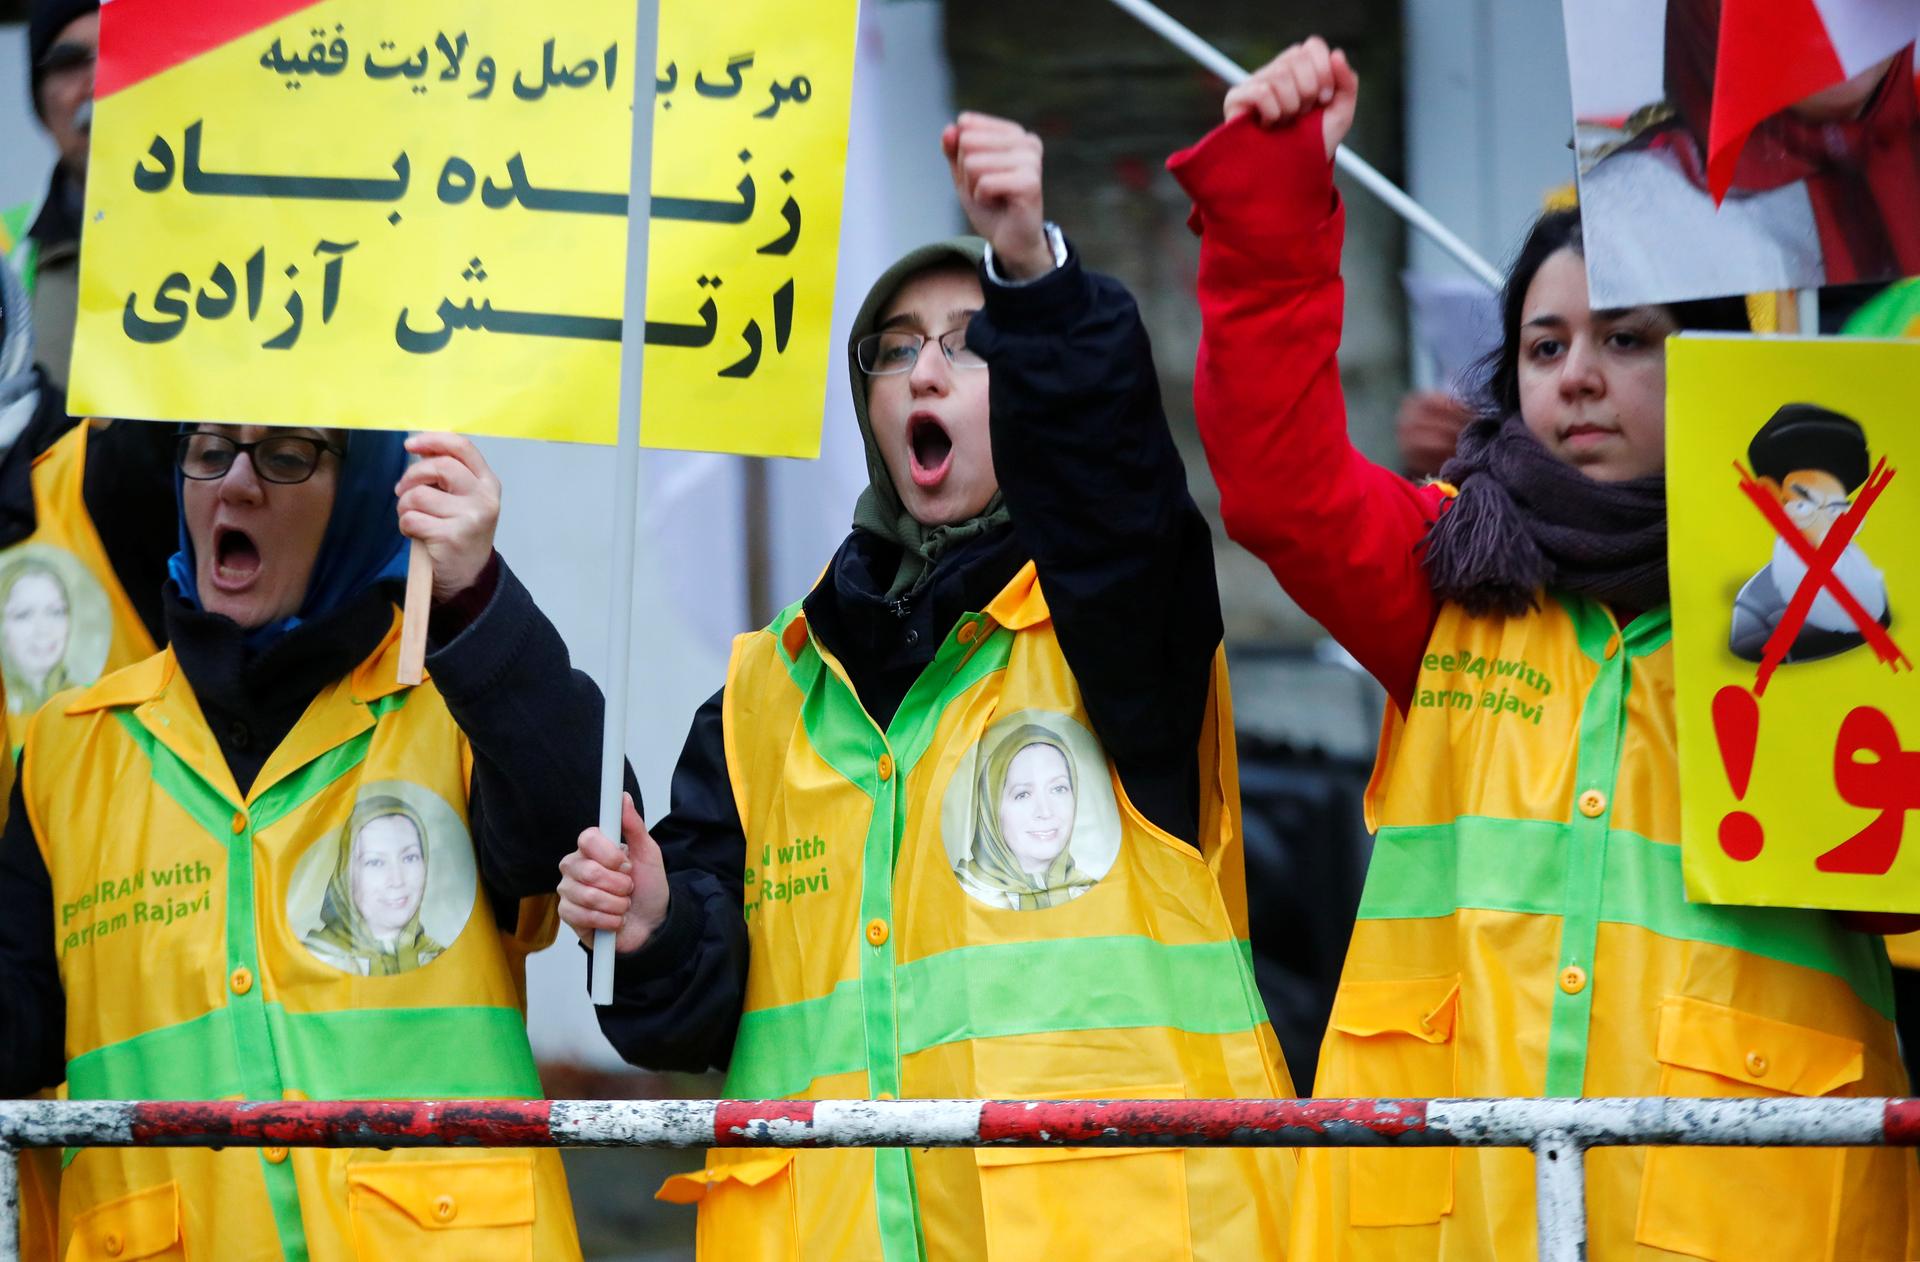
<point>1525,520</point>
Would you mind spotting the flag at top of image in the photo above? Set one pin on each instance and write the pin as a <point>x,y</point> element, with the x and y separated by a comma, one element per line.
<point>1774,53</point>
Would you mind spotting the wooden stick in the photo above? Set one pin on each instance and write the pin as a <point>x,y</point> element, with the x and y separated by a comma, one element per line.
<point>1786,312</point>
<point>413,615</point>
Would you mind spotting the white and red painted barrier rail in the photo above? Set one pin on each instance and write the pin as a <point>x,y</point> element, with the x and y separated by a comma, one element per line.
<point>1558,1131</point>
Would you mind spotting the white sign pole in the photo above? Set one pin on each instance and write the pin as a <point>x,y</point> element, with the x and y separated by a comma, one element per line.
<point>1807,303</point>
<point>626,484</point>
<point>1344,158</point>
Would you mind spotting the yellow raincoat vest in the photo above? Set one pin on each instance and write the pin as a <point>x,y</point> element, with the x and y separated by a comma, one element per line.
<point>64,619</point>
<point>220,946</point>
<point>1523,932</point>
<point>901,947</point>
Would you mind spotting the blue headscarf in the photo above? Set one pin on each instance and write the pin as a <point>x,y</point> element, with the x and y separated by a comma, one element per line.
<point>362,544</point>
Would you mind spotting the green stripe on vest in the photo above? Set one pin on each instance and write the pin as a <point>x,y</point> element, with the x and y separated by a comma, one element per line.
<point>995,991</point>
<point>354,1054</point>
<point>1521,866</point>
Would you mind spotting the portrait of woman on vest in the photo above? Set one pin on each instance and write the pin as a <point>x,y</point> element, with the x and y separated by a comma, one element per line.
<point>983,771</point>
<point>1523,930</point>
<point>306,863</point>
<point>54,625</point>
<point>85,530</point>
<point>1032,829</point>
<point>385,886</point>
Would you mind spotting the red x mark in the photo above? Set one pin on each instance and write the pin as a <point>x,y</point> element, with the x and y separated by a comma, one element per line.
<point>1820,574</point>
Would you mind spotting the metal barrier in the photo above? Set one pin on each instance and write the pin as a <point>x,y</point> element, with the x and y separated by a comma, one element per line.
<point>1558,1131</point>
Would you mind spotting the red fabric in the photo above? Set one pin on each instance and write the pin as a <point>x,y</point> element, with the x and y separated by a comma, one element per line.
<point>141,38</point>
<point>1338,531</point>
<point>1770,54</point>
<point>1732,68</point>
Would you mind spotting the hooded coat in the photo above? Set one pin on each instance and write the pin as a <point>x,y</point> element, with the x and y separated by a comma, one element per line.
<point>1114,636</point>
<point>1097,499</point>
<point>1125,611</point>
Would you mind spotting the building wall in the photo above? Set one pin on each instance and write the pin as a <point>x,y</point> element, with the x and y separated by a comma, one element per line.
<point>26,155</point>
<point>1488,119</point>
<point>1112,100</point>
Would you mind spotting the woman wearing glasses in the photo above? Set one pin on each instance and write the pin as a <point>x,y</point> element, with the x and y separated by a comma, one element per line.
<point>1025,558</point>
<point>177,826</point>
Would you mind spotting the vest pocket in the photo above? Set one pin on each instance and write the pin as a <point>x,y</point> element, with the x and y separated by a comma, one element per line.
<point>143,1224</point>
<point>1743,1203</point>
<point>1088,1204</point>
<point>1395,1038</point>
<point>746,1201</point>
<point>469,1210</point>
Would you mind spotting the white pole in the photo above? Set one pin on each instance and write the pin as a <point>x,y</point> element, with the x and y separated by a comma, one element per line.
<point>1560,1197</point>
<point>1344,158</point>
<point>1808,303</point>
<point>9,1204</point>
<point>613,735</point>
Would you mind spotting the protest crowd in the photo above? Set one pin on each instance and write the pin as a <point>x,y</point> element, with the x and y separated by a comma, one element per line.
<point>964,819</point>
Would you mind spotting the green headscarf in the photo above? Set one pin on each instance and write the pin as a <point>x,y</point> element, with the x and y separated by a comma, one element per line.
<point>879,510</point>
<point>992,863</point>
<point>345,930</point>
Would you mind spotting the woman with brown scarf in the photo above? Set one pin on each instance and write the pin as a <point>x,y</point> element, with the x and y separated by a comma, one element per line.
<point>1523,930</point>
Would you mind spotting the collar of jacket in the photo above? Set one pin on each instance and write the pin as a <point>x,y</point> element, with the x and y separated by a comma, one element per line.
<point>252,698</point>
<point>194,726</point>
<point>1014,602</point>
<point>148,679</point>
<point>851,612</point>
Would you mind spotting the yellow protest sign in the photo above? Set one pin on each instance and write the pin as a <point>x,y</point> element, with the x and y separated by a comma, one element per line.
<point>1793,497</point>
<point>360,214</point>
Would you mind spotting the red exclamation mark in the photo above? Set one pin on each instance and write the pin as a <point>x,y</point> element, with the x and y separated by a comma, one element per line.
<point>1736,724</point>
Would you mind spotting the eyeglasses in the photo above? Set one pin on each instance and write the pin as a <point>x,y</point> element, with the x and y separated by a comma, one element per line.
<point>66,59</point>
<point>897,351</point>
<point>286,459</point>
<point>1833,509</point>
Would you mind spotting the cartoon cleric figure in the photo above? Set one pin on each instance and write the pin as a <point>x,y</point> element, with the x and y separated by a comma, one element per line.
<point>1812,460</point>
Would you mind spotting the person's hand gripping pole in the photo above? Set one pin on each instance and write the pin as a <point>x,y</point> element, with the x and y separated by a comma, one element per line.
<point>620,889</point>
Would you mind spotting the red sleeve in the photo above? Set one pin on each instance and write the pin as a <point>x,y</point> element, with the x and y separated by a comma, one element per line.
<point>1338,531</point>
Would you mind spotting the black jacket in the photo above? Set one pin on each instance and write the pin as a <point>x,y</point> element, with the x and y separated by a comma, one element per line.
<point>1099,503</point>
<point>533,722</point>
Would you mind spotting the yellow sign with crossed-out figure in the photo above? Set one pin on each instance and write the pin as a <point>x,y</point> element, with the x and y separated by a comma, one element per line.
<point>358,214</point>
<point>1793,500</point>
